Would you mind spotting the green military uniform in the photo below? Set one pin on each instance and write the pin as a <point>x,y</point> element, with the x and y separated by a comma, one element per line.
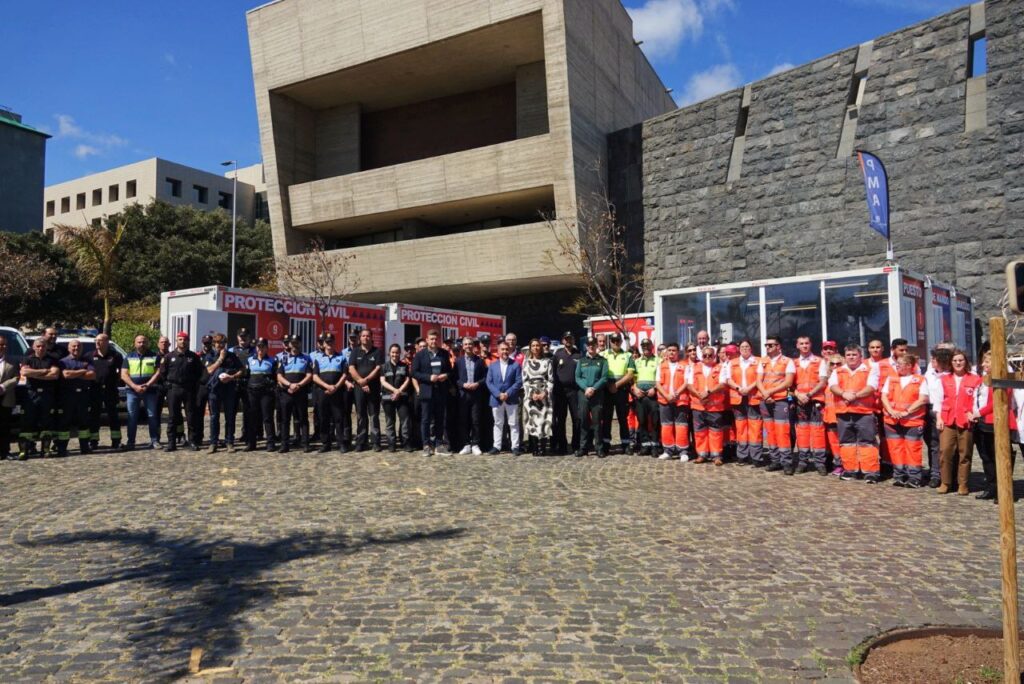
<point>591,372</point>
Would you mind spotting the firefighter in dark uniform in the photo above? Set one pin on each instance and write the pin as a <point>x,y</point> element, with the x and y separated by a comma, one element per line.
<point>244,351</point>
<point>49,338</point>
<point>261,380</point>
<point>181,368</point>
<point>163,348</point>
<point>40,373</point>
<point>329,371</point>
<point>207,357</point>
<point>76,390</point>
<point>107,363</point>
<point>294,374</point>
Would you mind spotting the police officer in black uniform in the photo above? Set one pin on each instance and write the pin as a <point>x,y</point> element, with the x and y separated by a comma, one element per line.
<point>261,380</point>
<point>244,350</point>
<point>163,348</point>
<point>40,373</point>
<point>76,391</point>
<point>207,356</point>
<point>565,398</point>
<point>329,371</point>
<point>182,369</point>
<point>107,363</point>
<point>294,374</point>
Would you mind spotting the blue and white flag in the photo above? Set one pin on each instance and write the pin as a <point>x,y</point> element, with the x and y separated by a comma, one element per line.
<point>876,185</point>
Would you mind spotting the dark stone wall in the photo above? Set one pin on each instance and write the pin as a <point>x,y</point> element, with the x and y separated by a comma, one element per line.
<point>957,198</point>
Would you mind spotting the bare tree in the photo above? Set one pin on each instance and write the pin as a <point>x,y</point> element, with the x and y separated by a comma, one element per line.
<point>93,249</point>
<point>23,276</point>
<point>590,244</point>
<point>318,274</point>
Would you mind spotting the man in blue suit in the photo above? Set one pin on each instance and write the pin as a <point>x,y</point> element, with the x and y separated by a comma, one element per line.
<point>505,384</point>
<point>432,368</point>
<point>471,381</point>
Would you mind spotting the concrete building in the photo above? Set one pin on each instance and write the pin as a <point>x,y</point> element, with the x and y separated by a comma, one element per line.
<point>760,182</point>
<point>22,169</point>
<point>428,137</point>
<point>88,199</point>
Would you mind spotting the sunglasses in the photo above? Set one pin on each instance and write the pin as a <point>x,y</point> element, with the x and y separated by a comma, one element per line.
<point>771,344</point>
<point>690,349</point>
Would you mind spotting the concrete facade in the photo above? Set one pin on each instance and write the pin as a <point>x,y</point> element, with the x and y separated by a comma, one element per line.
<point>90,198</point>
<point>22,174</point>
<point>783,196</point>
<point>513,100</point>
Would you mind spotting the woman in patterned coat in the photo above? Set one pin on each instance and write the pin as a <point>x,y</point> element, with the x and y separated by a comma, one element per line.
<point>538,381</point>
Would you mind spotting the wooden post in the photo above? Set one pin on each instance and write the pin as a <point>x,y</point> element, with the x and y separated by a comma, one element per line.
<point>1007,527</point>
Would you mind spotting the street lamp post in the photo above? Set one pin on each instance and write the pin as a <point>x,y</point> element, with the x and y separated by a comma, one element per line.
<point>234,214</point>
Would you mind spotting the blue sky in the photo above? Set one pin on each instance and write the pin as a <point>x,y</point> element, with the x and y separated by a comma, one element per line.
<point>119,81</point>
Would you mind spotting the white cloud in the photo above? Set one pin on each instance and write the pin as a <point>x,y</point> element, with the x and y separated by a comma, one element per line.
<point>779,68</point>
<point>85,151</point>
<point>89,143</point>
<point>170,59</point>
<point>910,6</point>
<point>716,80</point>
<point>663,25</point>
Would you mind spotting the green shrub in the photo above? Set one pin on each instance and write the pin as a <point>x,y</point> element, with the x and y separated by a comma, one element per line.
<point>125,332</point>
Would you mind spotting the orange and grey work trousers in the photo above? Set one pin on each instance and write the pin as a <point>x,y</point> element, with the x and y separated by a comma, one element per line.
<point>776,428</point>
<point>675,428</point>
<point>810,434</point>
<point>709,432</point>
<point>747,420</point>
<point>832,439</point>
<point>858,442</point>
<point>906,449</point>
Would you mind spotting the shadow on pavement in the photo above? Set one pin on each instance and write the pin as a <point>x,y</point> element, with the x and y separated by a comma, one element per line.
<point>201,600</point>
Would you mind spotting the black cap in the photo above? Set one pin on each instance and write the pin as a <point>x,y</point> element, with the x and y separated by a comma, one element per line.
<point>591,340</point>
<point>327,337</point>
<point>646,342</point>
<point>485,338</point>
<point>295,338</point>
<point>567,335</point>
<point>207,339</point>
<point>286,339</point>
<point>242,332</point>
<point>261,342</point>
<point>320,337</point>
<point>615,337</point>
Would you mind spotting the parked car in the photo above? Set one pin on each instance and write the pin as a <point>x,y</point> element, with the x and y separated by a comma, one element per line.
<point>17,345</point>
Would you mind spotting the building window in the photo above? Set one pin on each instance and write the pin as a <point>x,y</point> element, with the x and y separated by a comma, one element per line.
<point>202,194</point>
<point>225,200</point>
<point>96,223</point>
<point>97,197</point>
<point>129,189</point>
<point>113,193</point>
<point>51,208</point>
<point>65,205</point>
<point>977,57</point>
<point>174,186</point>
<point>80,201</point>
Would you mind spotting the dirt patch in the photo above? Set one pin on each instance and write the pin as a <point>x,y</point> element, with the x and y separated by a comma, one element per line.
<point>937,659</point>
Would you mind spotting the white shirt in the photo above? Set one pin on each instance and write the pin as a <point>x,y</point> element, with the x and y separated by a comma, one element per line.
<point>709,371</point>
<point>503,367</point>
<point>935,391</point>
<point>904,381</point>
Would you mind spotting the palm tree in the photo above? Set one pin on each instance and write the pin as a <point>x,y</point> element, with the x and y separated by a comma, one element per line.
<point>93,249</point>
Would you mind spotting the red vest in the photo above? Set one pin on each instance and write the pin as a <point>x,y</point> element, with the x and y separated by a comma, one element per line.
<point>986,410</point>
<point>957,405</point>
<point>901,398</point>
<point>854,381</point>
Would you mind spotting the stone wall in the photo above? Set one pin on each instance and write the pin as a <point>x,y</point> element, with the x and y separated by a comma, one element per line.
<point>957,198</point>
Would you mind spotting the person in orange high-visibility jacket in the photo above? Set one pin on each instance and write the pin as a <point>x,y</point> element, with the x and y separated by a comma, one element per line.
<point>708,401</point>
<point>854,384</point>
<point>811,378</point>
<point>828,415</point>
<point>740,374</point>
<point>904,404</point>
<point>775,376</point>
<point>673,406</point>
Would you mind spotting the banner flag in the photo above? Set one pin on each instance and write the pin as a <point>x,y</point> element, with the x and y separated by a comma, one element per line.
<point>876,185</point>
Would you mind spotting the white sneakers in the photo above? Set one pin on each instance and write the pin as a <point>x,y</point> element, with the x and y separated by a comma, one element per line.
<point>684,457</point>
<point>467,450</point>
<point>665,456</point>
<point>476,450</point>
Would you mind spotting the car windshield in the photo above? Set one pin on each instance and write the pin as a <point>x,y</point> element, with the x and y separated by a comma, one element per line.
<point>15,346</point>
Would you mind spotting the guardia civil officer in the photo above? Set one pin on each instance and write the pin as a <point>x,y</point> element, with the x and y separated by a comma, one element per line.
<point>181,368</point>
<point>107,363</point>
<point>591,378</point>
<point>40,373</point>
<point>75,393</point>
<point>294,374</point>
<point>261,379</point>
<point>329,371</point>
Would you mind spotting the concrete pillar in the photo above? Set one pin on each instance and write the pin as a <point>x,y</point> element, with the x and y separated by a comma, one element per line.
<point>531,100</point>
<point>338,143</point>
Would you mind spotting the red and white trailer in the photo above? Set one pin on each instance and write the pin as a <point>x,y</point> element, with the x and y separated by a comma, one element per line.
<point>639,327</point>
<point>406,322</point>
<point>206,310</point>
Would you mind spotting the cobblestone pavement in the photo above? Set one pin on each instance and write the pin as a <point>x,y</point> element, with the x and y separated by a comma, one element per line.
<point>395,567</point>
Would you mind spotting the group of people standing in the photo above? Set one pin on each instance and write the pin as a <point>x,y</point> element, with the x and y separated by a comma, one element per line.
<point>847,414</point>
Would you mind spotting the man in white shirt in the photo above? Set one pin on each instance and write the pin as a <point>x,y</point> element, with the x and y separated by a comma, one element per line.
<point>854,385</point>
<point>940,365</point>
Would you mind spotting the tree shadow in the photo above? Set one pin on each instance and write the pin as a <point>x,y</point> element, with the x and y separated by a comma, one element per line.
<point>203,593</point>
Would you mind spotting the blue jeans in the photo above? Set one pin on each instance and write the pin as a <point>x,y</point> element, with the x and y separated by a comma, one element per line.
<point>224,397</point>
<point>149,402</point>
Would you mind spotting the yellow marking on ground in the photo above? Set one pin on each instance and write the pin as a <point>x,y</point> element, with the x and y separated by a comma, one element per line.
<point>193,660</point>
<point>385,463</point>
<point>228,483</point>
<point>420,492</point>
<point>213,671</point>
<point>219,501</point>
<point>222,553</point>
<point>225,470</point>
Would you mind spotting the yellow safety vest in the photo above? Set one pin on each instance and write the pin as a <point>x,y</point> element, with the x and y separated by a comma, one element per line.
<point>618,364</point>
<point>646,371</point>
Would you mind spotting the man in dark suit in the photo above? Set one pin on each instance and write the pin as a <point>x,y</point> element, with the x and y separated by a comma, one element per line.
<point>432,369</point>
<point>8,397</point>
<point>505,384</point>
<point>472,385</point>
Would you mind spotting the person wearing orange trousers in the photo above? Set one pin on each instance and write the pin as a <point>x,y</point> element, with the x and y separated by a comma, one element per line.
<point>708,400</point>
<point>854,384</point>
<point>904,405</point>
<point>828,417</point>
<point>775,376</point>
<point>740,374</point>
<point>811,378</point>
<point>673,406</point>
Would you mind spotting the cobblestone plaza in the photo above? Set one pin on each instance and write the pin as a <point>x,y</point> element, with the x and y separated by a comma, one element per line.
<point>393,567</point>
